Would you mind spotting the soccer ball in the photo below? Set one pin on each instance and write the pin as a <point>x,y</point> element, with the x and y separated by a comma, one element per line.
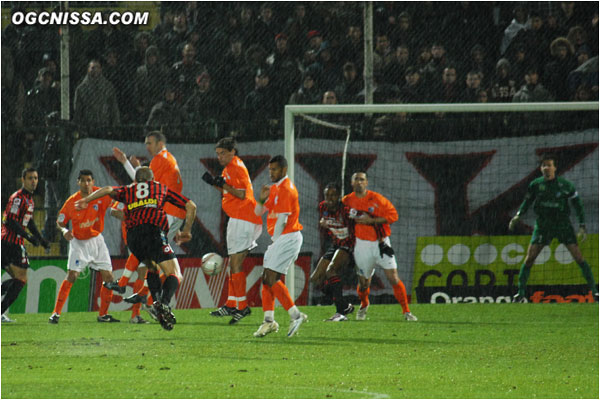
<point>212,263</point>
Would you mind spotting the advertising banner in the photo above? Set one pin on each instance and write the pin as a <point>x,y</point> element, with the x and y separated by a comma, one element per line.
<point>43,282</point>
<point>198,290</point>
<point>485,269</point>
<point>454,188</point>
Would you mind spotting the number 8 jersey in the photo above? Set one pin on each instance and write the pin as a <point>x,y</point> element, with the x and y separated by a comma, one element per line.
<point>144,202</point>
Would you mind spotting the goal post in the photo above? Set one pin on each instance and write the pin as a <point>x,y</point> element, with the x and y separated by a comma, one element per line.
<point>293,111</point>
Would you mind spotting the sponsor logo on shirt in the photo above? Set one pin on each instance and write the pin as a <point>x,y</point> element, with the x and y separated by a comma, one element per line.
<point>88,223</point>
<point>143,203</point>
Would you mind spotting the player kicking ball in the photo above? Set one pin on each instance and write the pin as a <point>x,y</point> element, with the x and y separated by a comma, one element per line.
<point>147,228</point>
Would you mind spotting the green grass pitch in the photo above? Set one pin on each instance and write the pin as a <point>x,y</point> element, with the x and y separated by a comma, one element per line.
<point>453,351</point>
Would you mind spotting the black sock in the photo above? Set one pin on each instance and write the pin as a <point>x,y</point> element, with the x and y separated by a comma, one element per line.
<point>154,285</point>
<point>12,293</point>
<point>335,288</point>
<point>326,289</point>
<point>6,286</point>
<point>169,288</point>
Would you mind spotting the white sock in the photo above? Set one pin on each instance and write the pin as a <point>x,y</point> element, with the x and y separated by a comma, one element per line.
<point>294,312</point>
<point>269,316</point>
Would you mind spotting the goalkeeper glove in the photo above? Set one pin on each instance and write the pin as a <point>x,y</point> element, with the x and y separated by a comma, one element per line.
<point>385,249</point>
<point>45,243</point>
<point>219,181</point>
<point>208,178</point>
<point>34,241</point>
<point>513,222</point>
<point>581,235</point>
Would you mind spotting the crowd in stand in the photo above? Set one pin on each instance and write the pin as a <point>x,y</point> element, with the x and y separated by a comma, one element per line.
<point>236,64</point>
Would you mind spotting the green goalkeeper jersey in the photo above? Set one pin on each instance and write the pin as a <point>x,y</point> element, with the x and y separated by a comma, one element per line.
<point>550,201</point>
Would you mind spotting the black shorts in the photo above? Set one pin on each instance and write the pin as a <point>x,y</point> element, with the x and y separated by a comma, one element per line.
<point>149,242</point>
<point>331,252</point>
<point>14,254</point>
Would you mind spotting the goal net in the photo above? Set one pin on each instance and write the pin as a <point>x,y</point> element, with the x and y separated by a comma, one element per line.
<point>456,174</point>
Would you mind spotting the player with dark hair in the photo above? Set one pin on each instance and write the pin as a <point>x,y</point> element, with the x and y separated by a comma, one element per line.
<point>550,196</point>
<point>243,227</point>
<point>17,217</point>
<point>86,245</point>
<point>147,228</point>
<point>373,214</point>
<point>334,219</point>
<point>281,200</point>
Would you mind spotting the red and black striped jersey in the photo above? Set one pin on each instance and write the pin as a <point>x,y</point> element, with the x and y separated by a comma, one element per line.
<point>339,225</point>
<point>20,209</point>
<point>144,202</point>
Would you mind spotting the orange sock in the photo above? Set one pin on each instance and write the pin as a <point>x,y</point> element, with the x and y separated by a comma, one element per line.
<point>105,299</point>
<point>63,294</point>
<point>231,302</point>
<point>130,266</point>
<point>363,296</point>
<point>239,289</point>
<point>135,309</point>
<point>400,295</point>
<point>268,302</point>
<point>283,295</point>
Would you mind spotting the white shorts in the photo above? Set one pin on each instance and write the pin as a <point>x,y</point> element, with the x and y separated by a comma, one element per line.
<point>175,225</point>
<point>91,253</point>
<point>367,257</point>
<point>282,253</point>
<point>241,235</point>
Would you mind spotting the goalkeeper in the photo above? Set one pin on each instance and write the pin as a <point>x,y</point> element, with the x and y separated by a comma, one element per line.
<point>550,196</point>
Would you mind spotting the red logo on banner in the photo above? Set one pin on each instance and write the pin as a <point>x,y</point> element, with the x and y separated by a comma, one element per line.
<point>198,290</point>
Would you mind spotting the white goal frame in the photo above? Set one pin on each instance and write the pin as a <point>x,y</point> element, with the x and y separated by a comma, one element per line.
<point>290,111</point>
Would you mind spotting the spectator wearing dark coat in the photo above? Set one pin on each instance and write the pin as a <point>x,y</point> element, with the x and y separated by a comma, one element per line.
<point>95,106</point>
<point>168,116</point>
<point>206,103</point>
<point>449,90</point>
<point>352,47</point>
<point>169,41</point>
<point>260,103</point>
<point>308,93</point>
<point>296,28</point>
<point>234,76</point>
<point>557,71</point>
<point>533,91</point>
<point>149,83</point>
<point>350,85</point>
<point>41,100</point>
<point>266,27</point>
<point>183,73</point>
<point>285,71</point>
<point>502,87</point>
<point>414,89</point>
<point>261,110</point>
<point>472,87</point>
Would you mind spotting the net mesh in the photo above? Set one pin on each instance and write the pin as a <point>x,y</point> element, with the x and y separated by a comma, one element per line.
<point>456,196</point>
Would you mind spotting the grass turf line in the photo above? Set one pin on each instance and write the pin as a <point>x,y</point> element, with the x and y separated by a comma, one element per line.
<point>453,351</point>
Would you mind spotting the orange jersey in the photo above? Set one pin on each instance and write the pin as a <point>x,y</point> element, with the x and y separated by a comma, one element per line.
<point>117,205</point>
<point>236,175</point>
<point>86,223</point>
<point>283,199</point>
<point>166,171</point>
<point>373,205</point>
